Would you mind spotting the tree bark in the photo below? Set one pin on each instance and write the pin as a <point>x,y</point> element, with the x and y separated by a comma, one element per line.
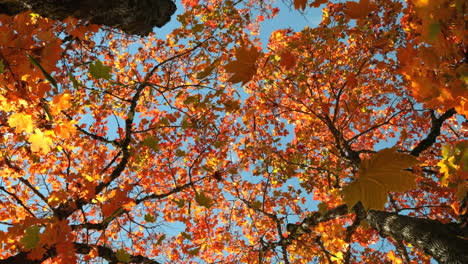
<point>136,17</point>
<point>447,243</point>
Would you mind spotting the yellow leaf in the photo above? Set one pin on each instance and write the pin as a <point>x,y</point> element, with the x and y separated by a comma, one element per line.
<point>245,66</point>
<point>382,173</point>
<point>338,256</point>
<point>60,102</point>
<point>40,142</point>
<point>22,122</point>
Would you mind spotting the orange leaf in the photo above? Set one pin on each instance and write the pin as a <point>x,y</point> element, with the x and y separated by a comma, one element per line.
<point>359,10</point>
<point>300,4</point>
<point>317,3</point>
<point>245,66</point>
<point>60,102</point>
<point>288,60</point>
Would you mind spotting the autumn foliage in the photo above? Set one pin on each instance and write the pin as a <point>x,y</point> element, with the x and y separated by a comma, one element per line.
<point>203,147</point>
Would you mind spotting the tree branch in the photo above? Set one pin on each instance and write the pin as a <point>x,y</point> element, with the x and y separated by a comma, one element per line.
<point>433,133</point>
<point>103,252</point>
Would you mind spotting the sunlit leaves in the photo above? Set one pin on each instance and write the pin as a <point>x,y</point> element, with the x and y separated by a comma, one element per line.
<point>382,173</point>
<point>245,65</point>
<point>21,122</point>
<point>99,70</point>
<point>60,102</point>
<point>41,141</point>
<point>454,167</point>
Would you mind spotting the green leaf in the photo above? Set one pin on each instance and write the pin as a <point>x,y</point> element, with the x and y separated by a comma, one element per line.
<point>160,240</point>
<point>434,30</point>
<point>180,203</point>
<point>194,252</point>
<point>74,81</point>
<point>2,67</point>
<point>122,256</point>
<point>151,142</point>
<point>208,70</point>
<point>257,204</point>
<point>186,236</point>
<point>150,218</point>
<point>203,200</point>
<point>44,72</point>
<point>31,238</point>
<point>180,153</point>
<point>99,70</point>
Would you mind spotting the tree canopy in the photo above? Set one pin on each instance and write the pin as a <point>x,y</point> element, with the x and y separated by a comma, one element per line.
<point>343,142</point>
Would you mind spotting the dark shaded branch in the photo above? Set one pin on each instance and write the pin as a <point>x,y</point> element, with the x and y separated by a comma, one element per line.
<point>447,243</point>
<point>327,253</point>
<point>18,200</point>
<point>433,133</point>
<point>110,255</point>
<point>132,16</point>
<point>103,252</point>
<point>403,252</point>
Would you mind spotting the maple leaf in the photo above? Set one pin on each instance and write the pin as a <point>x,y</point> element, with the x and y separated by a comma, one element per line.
<point>60,102</point>
<point>359,10</point>
<point>2,67</point>
<point>21,122</point>
<point>208,70</point>
<point>31,237</point>
<point>317,3</point>
<point>288,60</point>
<point>150,218</point>
<point>203,200</point>
<point>245,66</point>
<point>379,175</point>
<point>151,142</point>
<point>41,142</point>
<point>300,4</point>
<point>122,256</point>
<point>99,70</point>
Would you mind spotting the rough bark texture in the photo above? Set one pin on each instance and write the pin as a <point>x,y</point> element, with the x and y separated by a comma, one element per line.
<point>136,17</point>
<point>447,243</point>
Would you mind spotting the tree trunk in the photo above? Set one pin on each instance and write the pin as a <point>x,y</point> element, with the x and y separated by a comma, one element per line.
<point>447,243</point>
<point>132,16</point>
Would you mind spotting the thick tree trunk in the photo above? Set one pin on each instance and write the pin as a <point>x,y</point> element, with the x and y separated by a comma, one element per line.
<point>132,16</point>
<point>447,243</point>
